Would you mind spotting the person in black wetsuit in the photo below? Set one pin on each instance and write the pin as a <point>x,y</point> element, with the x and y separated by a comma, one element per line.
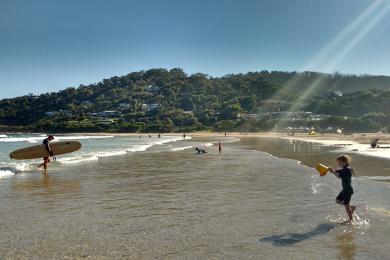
<point>345,174</point>
<point>199,151</point>
<point>46,143</point>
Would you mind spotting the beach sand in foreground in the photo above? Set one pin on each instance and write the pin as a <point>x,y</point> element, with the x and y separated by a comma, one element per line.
<point>167,202</point>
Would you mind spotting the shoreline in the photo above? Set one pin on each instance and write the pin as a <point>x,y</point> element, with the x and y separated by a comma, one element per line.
<point>357,137</point>
<point>357,143</point>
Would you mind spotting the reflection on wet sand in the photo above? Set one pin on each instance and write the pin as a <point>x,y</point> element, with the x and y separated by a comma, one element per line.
<point>162,204</point>
<point>45,184</point>
<point>311,154</point>
<point>346,245</point>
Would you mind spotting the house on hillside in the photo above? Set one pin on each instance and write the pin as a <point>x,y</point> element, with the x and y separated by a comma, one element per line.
<point>191,113</point>
<point>247,116</point>
<point>110,114</point>
<point>61,113</point>
<point>32,96</point>
<point>152,89</point>
<point>336,93</point>
<point>217,114</point>
<point>105,121</point>
<point>124,105</point>
<point>150,106</point>
<point>51,113</point>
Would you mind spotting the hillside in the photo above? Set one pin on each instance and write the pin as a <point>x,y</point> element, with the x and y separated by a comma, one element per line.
<point>162,100</point>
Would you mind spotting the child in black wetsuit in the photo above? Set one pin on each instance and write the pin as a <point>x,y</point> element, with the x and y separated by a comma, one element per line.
<point>345,174</point>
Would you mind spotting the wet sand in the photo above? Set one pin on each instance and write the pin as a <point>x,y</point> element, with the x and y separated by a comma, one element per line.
<point>164,204</point>
<point>311,154</point>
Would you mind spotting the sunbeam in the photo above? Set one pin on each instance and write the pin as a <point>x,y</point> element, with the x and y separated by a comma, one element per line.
<point>354,33</point>
<point>329,48</point>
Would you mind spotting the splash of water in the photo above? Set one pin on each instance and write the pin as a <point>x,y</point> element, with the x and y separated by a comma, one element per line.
<point>357,222</point>
<point>5,173</point>
<point>315,185</point>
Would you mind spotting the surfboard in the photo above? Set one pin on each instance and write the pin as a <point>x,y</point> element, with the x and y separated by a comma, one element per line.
<point>39,151</point>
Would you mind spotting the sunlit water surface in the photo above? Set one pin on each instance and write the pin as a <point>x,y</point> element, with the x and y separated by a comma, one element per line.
<point>167,202</point>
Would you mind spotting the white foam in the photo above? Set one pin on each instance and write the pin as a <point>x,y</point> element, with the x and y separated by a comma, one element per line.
<point>3,136</point>
<point>144,147</point>
<point>379,178</point>
<point>81,137</point>
<point>72,160</point>
<point>208,144</point>
<point>181,148</point>
<point>171,139</point>
<point>139,148</point>
<point>23,167</point>
<point>231,140</point>
<point>6,173</point>
<point>109,154</point>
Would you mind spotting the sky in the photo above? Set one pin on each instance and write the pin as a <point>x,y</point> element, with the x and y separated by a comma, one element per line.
<point>48,45</point>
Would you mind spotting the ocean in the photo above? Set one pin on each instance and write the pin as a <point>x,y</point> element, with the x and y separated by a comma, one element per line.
<point>147,198</point>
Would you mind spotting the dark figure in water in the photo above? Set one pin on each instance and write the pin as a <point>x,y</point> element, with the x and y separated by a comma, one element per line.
<point>46,143</point>
<point>159,136</point>
<point>200,150</point>
<point>220,148</point>
<point>184,136</point>
<point>374,143</point>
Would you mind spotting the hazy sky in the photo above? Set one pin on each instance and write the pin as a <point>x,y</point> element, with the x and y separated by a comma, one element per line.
<point>47,45</point>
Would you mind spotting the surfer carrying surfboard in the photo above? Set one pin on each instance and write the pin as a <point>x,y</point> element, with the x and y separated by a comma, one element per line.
<point>345,174</point>
<point>46,143</point>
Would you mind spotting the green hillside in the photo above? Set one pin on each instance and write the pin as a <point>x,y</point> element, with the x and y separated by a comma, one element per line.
<point>171,100</point>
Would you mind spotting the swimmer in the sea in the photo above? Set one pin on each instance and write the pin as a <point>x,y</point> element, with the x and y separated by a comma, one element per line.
<point>200,150</point>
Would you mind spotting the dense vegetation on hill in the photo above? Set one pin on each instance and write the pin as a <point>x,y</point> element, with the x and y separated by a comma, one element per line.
<point>170,100</point>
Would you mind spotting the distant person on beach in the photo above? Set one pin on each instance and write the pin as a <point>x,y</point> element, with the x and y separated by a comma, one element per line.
<point>184,136</point>
<point>374,143</point>
<point>345,174</point>
<point>220,148</point>
<point>200,150</point>
<point>46,143</point>
<point>159,135</point>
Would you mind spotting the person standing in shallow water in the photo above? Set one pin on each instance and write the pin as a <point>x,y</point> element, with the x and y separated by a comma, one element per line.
<point>220,148</point>
<point>46,143</point>
<point>345,174</point>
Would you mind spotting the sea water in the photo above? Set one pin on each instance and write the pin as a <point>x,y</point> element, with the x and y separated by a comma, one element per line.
<point>162,200</point>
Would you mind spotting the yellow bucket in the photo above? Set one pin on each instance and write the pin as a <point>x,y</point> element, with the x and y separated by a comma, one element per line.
<point>322,169</point>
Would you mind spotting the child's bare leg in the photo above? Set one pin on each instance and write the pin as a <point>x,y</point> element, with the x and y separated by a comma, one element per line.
<point>353,208</point>
<point>349,211</point>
